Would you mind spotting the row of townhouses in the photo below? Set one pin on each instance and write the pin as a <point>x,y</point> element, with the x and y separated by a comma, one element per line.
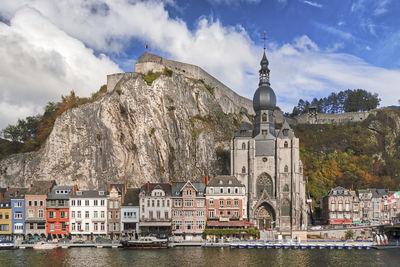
<point>369,206</point>
<point>183,209</point>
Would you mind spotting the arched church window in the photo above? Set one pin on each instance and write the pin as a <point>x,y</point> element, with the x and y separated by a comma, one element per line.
<point>243,145</point>
<point>264,117</point>
<point>244,169</point>
<point>286,145</point>
<point>286,188</point>
<point>285,210</point>
<point>286,169</point>
<point>264,182</point>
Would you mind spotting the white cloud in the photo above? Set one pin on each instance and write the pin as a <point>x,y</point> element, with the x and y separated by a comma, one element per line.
<point>314,4</point>
<point>40,63</point>
<point>334,31</point>
<point>368,48</point>
<point>382,7</point>
<point>230,2</point>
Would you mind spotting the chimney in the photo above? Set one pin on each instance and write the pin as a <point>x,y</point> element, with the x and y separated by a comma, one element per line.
<point>148,186</point>
<point>74,189</point>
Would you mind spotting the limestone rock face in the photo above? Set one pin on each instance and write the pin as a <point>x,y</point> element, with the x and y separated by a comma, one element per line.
<point>169,130</point>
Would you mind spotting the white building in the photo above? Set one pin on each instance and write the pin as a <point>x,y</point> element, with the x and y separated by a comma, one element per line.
<point>155,207</point>
<point>130,213</point>
<point>88,213</point>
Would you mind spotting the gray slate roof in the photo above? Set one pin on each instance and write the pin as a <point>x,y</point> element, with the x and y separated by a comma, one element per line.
<point>53,194</point>
<point>164,186</point>
<point>15,193</point>
<point>225,181</point>
<point>131,197</point>
<point>199,187</point>
<point>245,130</point>
<point>89,194</point>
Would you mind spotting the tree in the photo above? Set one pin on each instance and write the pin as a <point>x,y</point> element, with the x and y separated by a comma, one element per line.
<point>349,234</point>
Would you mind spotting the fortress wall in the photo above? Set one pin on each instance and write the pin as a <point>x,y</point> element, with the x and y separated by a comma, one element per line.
<point>332,118</point>
<point>112,80</point>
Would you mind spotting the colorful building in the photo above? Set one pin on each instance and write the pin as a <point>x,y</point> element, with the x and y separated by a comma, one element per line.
<point>337,207</point>
<point>88,214</point>
<point>35,208</point>
<point>17,196</point>
<point>5,214</point>
<point>116,193</point>
<point>155,208</point>
<point>188,210</point>
<point>57,223</point>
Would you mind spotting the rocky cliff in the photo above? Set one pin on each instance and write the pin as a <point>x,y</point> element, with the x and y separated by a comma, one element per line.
<point>171,129</point>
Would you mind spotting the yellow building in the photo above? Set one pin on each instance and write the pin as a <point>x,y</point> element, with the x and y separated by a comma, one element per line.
<point>5,219</point>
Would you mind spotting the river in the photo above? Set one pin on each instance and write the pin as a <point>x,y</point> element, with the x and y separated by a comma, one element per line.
<point>197,256</point>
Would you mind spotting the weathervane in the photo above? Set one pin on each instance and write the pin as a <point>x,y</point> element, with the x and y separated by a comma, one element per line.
<point>265,39</point>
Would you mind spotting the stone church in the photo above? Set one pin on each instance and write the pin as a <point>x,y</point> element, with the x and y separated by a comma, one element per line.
<point>267,161</point>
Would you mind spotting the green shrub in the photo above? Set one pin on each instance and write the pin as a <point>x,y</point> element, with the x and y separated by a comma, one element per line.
<point>118,90</point>
<point>150,77</point>
<point>98,136</point>
<point>207,86</point>
<point>349,234</point>
<point>168,72</point>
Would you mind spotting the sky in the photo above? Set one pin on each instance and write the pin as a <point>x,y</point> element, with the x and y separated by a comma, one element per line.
<point>315,47</point>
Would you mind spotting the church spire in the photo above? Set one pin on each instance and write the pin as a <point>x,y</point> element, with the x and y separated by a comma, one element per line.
<point>264,71</point>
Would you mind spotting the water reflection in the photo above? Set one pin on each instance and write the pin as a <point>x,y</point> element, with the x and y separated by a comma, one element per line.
<point>87,257</point>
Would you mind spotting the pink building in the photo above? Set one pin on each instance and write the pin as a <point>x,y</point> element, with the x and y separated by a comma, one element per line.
<point>188,210</point>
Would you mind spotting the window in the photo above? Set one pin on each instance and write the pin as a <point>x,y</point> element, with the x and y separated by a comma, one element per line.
<point>286,169</point>
<point>158,203</point>
<point>221,190</point>
<point>61,202</point>
<point>167,202</point>
<point>95,202</point>
<point>286,145</point>
<point>243,169</point>
<point>285,132</point>
<point>264,117</point>
<point>200,225</point>
<point>163,202</point>
<point>178,225</point>
<point>211,213</point>
<point>95,214</point>
<point>152,202</point>
<point>116,203</point>
<point>79,203</point>
<point>111,204</point>
<point>30,203</point>
<point>102,227</point>
<point>340,205</point>
<point>221,213</point>
<point>79,214</point>
<point>264,182</point>
<point>236,190</point>
<point>286,188</point>
<point>236,213</point>
<point>221,203</point>
<point>158,214</point>
<point>95,227</point>
<point>73,203</point>
<point>177,213</point>
<point>86,226</point>
<point>51,227</point>
<point>211,202</point>
<point>166,216</point>
<point>151,214</point>
<point>189,203</point>
<point>31,226</point>
<point>18,215</point>
<point>86,202</point>
<point>18,204</point>
<point>30,213</point>
<point>63,214</point>
<point>102,202</point>
<point>236,202</point>
<point>189,192</point>
<point>35,203</point>
<point>72,214</point>
<point>243,146</point>
<point>229,203</point>
<point>63,227</point>
<point>52,214</point>
<point>200,203</point>
<point>333,204</point>
<point>148,203</point>
<point>200,213</point>
<point>40,213</point>
<point>102,214</point>
<point>229,190</point>
<point>41,226</point>
<point>347,205</point>
<point>188,213</point>
<point>86,214</point>
<point>78,226</point>
<point>188,225</point>
<point>110,215</point>
<point>142,208</point>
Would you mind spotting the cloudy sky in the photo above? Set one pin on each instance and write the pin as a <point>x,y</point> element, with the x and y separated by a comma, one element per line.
<point>315,47</point>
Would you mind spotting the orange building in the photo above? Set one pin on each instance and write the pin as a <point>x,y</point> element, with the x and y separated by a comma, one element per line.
<point>57,222</point>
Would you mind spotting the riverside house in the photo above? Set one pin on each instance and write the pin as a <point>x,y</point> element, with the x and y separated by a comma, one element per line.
<point>17,196</point>
<point>130,214</point>
<point>88,214</point>
<point>5,213</point>
<point>35,208</point>
<point>57,224</point>
<point>116,193</point>
<point>188,210</point>
<point>155,208</point>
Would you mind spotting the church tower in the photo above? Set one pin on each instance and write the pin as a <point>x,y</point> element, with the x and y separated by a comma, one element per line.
<point>267,162</point>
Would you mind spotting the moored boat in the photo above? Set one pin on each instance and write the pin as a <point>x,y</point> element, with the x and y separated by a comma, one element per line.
<point>234,245</point>
<point>241,245</point>
<point>44,245</point>
<point>269,245</point>
<point>148,242</point>
<point>260,245</point>
<point>6,244</point>
<point>321,246</point>
<point>277,246</point>
<point>303,246</point>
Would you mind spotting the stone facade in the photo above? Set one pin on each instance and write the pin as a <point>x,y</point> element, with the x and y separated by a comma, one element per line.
<point>267,162</point>
<point>116,193</point>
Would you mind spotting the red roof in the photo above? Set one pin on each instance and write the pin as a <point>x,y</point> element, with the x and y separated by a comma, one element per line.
<point>229,224</point>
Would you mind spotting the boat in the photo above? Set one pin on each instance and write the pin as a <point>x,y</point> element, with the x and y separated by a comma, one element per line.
<point>250,245</point>
<point>147,242</point>
<point>321,246</point>
<point>312,246</point>
<point>277,246</point>
<point>349,246</point>
<point>331,246</point>
<point>286,246</point>
<point>234,245</point>
<point>295,246</point>
<point>241,245</point>
<point>260,245</point>
<point>45,245</point>
<point>6,244</point>
<point>269,245</point>
<point>359,246</point>
<point>303,246</point>
<point>339,246</point>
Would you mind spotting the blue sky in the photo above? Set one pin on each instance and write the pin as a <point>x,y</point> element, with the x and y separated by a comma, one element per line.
<point>314,47</point>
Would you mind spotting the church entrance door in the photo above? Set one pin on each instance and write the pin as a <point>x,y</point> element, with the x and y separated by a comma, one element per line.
<point>265,217</point>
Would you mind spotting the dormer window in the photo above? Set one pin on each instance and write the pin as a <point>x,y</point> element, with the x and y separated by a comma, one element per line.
<point>79,193</point>
<point>236,190</point>
<point>220,182</point>
<point>230,182</point>
<point>221,190</point>
<point>101,193</point>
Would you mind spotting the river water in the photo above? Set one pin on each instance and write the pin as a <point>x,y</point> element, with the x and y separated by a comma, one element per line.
<point>197,256</point>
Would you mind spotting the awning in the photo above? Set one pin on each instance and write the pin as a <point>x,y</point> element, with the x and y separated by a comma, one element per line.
<point>336,221</point>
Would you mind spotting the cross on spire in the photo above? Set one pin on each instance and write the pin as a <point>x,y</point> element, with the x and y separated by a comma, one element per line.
<point>265,39</point>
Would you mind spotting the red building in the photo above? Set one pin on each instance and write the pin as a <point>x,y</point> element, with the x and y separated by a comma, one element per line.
<point>57,211</point>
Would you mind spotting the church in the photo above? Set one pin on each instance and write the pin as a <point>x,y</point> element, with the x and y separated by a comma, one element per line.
<point>267,161</point>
